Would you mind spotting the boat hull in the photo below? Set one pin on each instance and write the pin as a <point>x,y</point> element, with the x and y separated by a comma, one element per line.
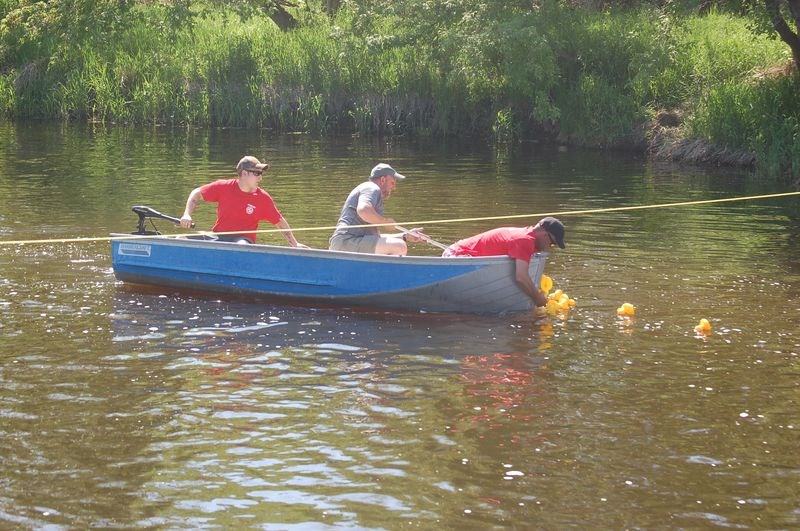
<point>410,283</point>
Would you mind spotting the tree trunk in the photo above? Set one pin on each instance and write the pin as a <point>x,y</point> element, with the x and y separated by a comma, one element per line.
<point>283,18</point>
<point>782,27</point>
<point>331,6</point>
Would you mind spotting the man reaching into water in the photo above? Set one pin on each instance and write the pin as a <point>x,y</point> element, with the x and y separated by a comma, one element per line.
<point>520,243</point>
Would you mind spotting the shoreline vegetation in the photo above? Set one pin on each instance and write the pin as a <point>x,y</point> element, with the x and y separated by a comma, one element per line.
<point>660,77</point>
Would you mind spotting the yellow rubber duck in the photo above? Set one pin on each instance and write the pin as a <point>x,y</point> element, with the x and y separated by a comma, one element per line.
<point>626,310</point>
<point>703,327</point>
<point>558,302</point>
<point>546,284</point>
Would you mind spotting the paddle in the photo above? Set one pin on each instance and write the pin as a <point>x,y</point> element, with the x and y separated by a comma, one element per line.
<point>424,237</point>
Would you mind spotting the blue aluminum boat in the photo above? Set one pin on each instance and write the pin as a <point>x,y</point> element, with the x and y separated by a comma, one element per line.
<point>408,283</point>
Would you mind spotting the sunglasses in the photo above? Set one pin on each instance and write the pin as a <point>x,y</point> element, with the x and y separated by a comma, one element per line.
<point>256,172</point>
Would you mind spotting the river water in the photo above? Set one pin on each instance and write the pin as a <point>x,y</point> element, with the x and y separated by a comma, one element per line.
<point>127,407</point>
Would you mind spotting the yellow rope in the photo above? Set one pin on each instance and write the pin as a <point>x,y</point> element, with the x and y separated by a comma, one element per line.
<point>418,223</point>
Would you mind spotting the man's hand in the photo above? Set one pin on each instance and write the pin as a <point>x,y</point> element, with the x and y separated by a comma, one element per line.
<point>541,298</point>
<point>526,283</point>
<point>415,235</point>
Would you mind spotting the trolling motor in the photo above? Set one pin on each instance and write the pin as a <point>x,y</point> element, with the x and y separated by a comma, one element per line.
<point>145,212</point>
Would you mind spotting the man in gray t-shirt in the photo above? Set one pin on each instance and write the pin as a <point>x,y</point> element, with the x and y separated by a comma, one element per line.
<point>364,206</point>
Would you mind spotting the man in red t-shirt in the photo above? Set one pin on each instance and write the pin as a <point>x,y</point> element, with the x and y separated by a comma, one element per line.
<point>241,204</point>
<point>520,243</point>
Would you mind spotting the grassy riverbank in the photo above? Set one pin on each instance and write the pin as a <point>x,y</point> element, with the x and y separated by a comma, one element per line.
<point>704,88</point>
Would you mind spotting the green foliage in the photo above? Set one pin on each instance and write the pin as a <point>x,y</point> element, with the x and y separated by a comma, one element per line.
<point>721,48</point>
<point>762,116</point>
<point>608,62</point>
<point>484,58</point>
<point>7,93</point>
<point>723,116</point>
<point>36,29</point>
<point>685,8</point>
<point>25,34</point>
<point>715,49</point>
<point>720,76</point>
<point>599,113</point>
<point>504,127</point>
<point>6,6</point>
<point>436,67</point>
<point>507,62</point>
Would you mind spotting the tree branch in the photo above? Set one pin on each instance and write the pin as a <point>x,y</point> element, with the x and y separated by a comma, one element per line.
<point>782,27</point>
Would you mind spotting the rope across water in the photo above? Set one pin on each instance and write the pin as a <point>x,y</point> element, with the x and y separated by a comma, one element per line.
<point>423,222</point>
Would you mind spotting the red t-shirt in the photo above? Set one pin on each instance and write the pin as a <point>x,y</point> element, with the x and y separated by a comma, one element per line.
<point>516,242</point>
<point>238,210</point>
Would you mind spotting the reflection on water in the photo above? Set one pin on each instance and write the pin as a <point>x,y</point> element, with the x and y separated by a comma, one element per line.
<point>125,407</point>
<point>319,412</point>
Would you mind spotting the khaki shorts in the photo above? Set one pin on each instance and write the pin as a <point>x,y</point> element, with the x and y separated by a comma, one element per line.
<point>355,244</point>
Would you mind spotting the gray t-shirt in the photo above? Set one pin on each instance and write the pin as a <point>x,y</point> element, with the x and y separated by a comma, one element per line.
<point>372,195</point>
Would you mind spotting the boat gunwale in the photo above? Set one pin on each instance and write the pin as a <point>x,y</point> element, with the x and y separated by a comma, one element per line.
<point>259,248</point>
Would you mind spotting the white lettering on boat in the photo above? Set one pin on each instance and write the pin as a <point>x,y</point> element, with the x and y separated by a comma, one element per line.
<point>134,249</point>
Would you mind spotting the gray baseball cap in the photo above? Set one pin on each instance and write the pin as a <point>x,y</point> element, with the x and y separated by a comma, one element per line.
<point>384,169</point>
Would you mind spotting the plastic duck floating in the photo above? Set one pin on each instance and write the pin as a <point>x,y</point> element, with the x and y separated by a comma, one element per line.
<point>626,310</point>
<point>703,327</point>
<point>558,301</point>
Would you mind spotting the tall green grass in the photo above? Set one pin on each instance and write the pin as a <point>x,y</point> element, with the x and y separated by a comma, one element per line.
<point>7,93</point>
<point>708,51</point>
<point>733,103</point>
<point>592,77</point>
<point>758,115</point>
<point>608,61</point>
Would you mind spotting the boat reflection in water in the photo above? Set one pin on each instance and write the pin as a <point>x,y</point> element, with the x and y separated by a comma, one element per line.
<point>195,330</point>
<point>317,405</point>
